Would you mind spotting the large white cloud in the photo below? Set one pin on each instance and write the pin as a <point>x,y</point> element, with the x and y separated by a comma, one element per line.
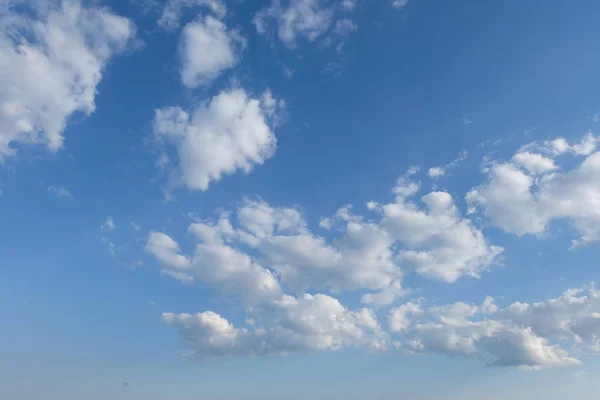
<point>216,264</point>
<point>360,254</point>
<point>52,57</point>
<point>522,334</point>
<point>229,133</point>
<point>437,242</point>
<point>306,323</point>
<point>525,195</point>
<point>207,48</point>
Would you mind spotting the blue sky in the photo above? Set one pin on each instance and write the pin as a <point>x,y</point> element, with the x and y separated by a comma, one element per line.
<point>257,199</point>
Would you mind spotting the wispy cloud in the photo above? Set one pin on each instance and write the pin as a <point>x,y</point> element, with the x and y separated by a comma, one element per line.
<point>60,192</point>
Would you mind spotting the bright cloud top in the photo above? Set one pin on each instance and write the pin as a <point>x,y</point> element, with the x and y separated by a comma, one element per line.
<point>51,62</point>
<point>524,195</point>
<point>207,48</point>
<point>230,132</point>
<point>258,253</point>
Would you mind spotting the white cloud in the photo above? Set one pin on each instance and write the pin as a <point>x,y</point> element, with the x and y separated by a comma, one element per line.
<point>521,347</point>
<point>231,132</point>
<point>386,296</point>
<point>52,62</point>
<point>586,147</point>
<point>527,201</point>
<point>437,242</point>
<point>320,323</point>
<point>361,255</point>
<point>399,316</point>
<point>575,315</point>
<point>436,172</point>
<point>215,263</point>
<point>171,15</point>
<point>207,48</point>
<point>534,163</point>
<point>307,323</point>
<point>166,250</point>
<point>523,335</point>
<point>439,171</point>
<point>60,192</point>
<point>135,226</point>
<point>399,3</point>
<point>306,19</point>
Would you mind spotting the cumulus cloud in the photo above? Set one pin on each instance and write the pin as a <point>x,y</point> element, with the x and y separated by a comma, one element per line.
<point>523,335</point>
<point>306,323</point>
<point>525,195</point>
<point>206,49</point>
<point>437,242</point>
<point>258,253</point>
<point>53,58</point>
<point>231,132</point>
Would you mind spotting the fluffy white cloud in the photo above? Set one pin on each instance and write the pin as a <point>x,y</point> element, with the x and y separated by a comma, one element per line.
<point>51,60</point>
<point>522,334</point>
<point>386,296</point>
<point>436,172</point>
<point>215,263</point>
<point>206,49</point>
<point>171,14</point>
<point>575,315</point>
<point>166,250</point>
<point>525,201</point>
<point>362,255</point>
<point>259,252</point>
<point>231,132</point>
<point>437,242</point>
<point>399,318</point>
<point>534,163</point>
<point>560,145</point>
<point>307,323</point>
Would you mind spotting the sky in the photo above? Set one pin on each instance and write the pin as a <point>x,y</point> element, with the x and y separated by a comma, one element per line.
<point>298,199</point>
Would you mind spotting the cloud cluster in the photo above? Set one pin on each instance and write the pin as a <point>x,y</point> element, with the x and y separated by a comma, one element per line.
<point>524,195</point>
<point>362,254</point>
<point>522,334</point>
<point>53,57</point>
<point>306,323</point>
<point>259,253</point>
